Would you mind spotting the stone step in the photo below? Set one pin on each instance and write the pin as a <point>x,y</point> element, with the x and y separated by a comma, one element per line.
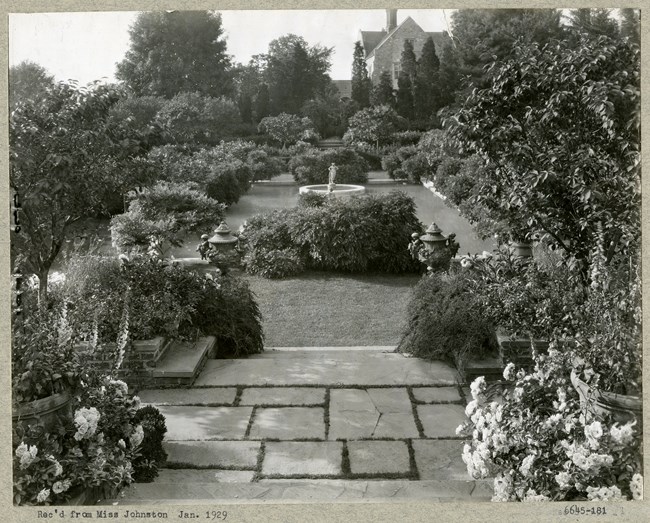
<point>181,489</point>
<point>327,368</point>
<point>181,364</point>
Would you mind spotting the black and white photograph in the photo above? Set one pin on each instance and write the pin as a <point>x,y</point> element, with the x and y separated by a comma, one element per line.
<point>381,257</point>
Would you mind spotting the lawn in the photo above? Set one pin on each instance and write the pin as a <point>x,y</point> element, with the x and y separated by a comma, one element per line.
<point>326,309</point>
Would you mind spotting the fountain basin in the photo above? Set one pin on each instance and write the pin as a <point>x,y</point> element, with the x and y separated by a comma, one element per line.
<point>340,189</point>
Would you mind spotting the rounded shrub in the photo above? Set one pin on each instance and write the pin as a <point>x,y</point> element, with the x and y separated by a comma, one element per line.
<point>152,454</point>
<point>445,322</point>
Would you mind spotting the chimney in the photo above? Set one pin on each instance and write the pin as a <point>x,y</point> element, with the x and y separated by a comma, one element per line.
<point>391,19</point>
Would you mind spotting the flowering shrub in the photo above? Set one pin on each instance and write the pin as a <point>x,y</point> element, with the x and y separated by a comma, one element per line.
<point>150,434</point>
<point>540,445</point>
<point>92,448</point>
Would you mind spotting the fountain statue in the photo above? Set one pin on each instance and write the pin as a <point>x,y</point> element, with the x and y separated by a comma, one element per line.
<point>332,188</point>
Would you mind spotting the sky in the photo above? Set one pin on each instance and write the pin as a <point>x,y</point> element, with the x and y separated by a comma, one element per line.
<point>86,46</point>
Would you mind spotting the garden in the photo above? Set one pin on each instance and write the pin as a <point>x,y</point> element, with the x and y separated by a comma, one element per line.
<point>539,153</point>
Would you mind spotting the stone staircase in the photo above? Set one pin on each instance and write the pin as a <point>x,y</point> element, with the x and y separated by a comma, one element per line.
<point>330,143</point>
<point>344,424</point>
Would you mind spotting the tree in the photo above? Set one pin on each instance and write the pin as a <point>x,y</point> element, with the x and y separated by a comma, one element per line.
<point>27,81</point>
<point>193,118</point>
<point>294,72</point>
<point>262,102</point>
<point>449,77</point>
<point>426,91</point>
<point>594,21</point>
<point>65,155</point>
<point>141,110</point>
<point>382,93</point>
<point>405,96</point>
<point>287,128</point>
<point>360,81</point>
<point>408,61</point>
<point>559,128</point>
<point>631,25</point>
<point>372,126</point>
<point>175,52</point>
<point>327,112</point>
<point>483,36</point>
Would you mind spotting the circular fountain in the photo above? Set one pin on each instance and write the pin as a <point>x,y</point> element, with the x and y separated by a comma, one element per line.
<point>333,189</point>
<point>337,189</point>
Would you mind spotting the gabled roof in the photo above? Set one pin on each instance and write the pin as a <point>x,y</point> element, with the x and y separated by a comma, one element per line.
<point>370,40</point>
<point>375,39</point>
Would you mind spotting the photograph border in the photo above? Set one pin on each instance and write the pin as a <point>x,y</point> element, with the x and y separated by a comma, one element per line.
<point>293,511</point>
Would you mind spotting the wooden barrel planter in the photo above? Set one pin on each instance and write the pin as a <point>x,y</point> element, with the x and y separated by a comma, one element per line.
<point>43,411</point>
<point>622,408</point>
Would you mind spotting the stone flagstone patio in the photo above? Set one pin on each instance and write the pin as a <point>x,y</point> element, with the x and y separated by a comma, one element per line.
<point>336,424</point>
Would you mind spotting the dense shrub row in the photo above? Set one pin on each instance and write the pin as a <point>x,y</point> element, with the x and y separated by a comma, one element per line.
<point>224,172</point>
<point>367,233</point>
<point>311,166</point>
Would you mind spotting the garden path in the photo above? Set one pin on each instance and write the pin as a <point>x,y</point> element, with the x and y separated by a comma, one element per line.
<point>339,423</point>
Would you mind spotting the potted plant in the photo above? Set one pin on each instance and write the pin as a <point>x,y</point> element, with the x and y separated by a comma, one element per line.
<point>44,365</point>
<point>607,363</point>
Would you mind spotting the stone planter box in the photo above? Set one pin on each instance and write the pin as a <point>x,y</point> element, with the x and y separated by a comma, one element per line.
<point>519,350</point>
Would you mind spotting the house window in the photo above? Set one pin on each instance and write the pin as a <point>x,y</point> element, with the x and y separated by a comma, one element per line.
<point>396,70</point>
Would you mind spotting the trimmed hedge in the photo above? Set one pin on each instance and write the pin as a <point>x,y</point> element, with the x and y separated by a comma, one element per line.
<point>359,234</point>
<point>445,322</point>
<point>311,166</point>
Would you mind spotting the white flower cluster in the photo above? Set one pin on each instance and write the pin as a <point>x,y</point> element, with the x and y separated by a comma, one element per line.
<point>622,435</point>
<point>122,388</point>
<point>532,496</point>
<point>583,458</point>
<point>42,496</point>
<point>26,454</point>
<point>86,422</point>
<point>604,493</point>
<point>636,486</point>
<point>137,437</point>
<point>61,486</point>
<point>509,372</point>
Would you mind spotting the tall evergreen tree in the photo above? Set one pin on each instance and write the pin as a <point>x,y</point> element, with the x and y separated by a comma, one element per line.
<point>360,80</point>
<point>426,89</point>
<point>449,77</point>
<point>245,104</point>
<point>409,62</point>
<point>382,93</point>
<point>175,52</point>
<point>405,96</point>
<point>262,102</point>
<point>294,72</point>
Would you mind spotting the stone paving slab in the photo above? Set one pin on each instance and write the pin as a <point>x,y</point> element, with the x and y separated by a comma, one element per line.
<point>288,423</point>
<point>440,459</point>
<point>303,490</point>
<point>204,423</point>
<point>436,394</point>
<point>441,421</point>
<point>362,368</point>
<point>282,396</point>
<point>292,458</point>
<point>203,396</point>
<point>371,413</point>
<point>214,454</point>
<point>378,457</point>
<point>178,476</point>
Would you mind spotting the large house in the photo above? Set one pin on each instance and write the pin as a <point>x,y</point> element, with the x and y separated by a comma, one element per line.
<point>384,48</point>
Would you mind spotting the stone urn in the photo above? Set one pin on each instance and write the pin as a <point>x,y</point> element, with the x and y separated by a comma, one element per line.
<point>42,411</point>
